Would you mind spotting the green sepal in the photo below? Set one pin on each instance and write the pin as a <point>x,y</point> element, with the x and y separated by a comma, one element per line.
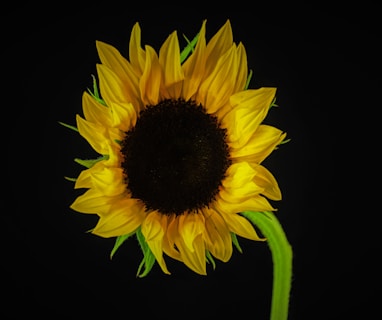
<point>210,259</point>
<point>189,48</point>
<point>70,179</point>
<point>95,93</point>
<point>148,257</point>
<point>285,141</point>
<point>235,242</point>
<point>88,163</point>
<point>68,126</point>
<point>273,103</point>
<point>118,242</point>
<point>248,79</point>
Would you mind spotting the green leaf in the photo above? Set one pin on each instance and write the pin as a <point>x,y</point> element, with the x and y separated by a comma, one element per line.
<point>285,141</point>
<point>88,163</point>
<point>189,48</point>
<point>235,241</point>
<point>148,257</point>
<point>273,103</point>
<point>210,259</point>
<point>95,93</point>
<point>68,126</point>
<point>118,242</point>
<point>71,179</point>
<point>248,79</point>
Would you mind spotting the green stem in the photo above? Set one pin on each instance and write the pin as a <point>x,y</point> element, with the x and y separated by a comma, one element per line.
<point>282,260</point>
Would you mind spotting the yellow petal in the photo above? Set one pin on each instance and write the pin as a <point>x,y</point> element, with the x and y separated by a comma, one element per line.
<point>215,91</point>
<point>190,226</point>
<point>125,217</point>
<point>109,181</point>
<point>242,73</point>
<point>95,134</point>
<point>171,238</point>
<point>218,45</point>
<point>153,229</point>
<point>217,235</point>
<point>114,134</point>
<point>235,222</point>
<point>136,53</point>
<point>151,79</point>
<point>169,59</point>
<point>265,139</point>
<point>111,58</point>
<point>267,181</point>
<point>196,260</point>
<point>84,179</point>
<point>111,86</point>
<point>249,108</point>
<point>92,202</point>
<point>124,115</point>
<point>256,203</point>
<point>239,184</point>
<point>191,243</point>
<point>94,111</point>
<point>194,66</point>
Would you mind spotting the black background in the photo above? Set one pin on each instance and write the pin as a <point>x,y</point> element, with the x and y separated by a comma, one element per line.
<point>318,58</point>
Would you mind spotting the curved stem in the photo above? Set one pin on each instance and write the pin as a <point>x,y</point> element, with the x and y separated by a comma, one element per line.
<point>282,260</point>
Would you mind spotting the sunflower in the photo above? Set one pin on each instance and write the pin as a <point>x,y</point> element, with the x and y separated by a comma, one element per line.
<point>181,141</point>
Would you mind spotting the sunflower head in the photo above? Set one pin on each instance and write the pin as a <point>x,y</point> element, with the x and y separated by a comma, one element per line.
<point>180,141</point>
